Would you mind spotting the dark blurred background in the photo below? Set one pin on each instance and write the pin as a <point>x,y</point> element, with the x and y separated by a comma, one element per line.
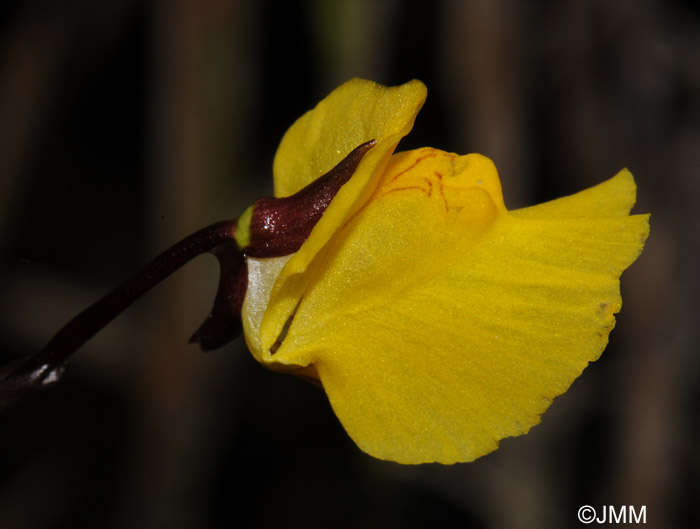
<point>126,125</point>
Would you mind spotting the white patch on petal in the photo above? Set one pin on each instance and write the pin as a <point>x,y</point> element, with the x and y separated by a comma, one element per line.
<point>262,274</point>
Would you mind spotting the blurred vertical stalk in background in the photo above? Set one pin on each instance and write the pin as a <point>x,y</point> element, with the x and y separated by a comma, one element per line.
<point>32,57</point>
<point>485,53</point>
<point>353,38</point>
<point>199,90</point>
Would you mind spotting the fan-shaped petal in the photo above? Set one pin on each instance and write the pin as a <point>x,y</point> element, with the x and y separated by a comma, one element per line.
<point>439,323</point>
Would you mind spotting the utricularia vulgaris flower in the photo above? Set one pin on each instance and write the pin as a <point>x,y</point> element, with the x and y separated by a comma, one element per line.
<point>437,321</point>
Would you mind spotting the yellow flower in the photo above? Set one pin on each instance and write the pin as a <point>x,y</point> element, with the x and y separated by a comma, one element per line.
<point>437,321</point>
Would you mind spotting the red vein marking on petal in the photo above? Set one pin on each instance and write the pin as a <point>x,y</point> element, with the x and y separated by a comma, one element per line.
<point>430,154</point>
<point>407,188</point>
<point>438,174</point>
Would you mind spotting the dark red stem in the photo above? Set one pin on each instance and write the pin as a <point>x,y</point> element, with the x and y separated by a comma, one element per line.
<point>46,367</point>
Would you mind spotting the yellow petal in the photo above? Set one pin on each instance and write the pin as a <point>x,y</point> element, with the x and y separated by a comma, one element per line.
<point>613,198</point>
<point>354,113</point>
<point>439,323</point>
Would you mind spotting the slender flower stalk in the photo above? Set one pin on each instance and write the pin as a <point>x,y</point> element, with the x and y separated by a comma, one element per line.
<point>47,367</point>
